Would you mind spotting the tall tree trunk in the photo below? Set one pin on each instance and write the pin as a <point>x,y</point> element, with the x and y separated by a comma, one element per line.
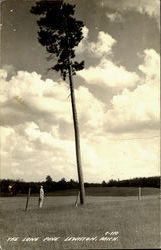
<point>77,140</point>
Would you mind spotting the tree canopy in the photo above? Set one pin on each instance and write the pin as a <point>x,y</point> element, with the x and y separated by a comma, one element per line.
<point>48,178</point>
<point>60,33</point>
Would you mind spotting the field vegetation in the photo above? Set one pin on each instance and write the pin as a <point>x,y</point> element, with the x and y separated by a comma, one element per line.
<point>134,223</point>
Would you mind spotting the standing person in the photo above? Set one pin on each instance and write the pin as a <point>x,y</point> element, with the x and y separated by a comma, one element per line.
<point>41,197</point>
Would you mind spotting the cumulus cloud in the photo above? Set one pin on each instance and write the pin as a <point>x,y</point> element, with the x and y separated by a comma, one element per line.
<point>115,17</point>
<point>150,68</point>
<point>108,74</point>
<point>102,159</point>
<point>40,155</point>
<point>131,110</point>
<point>90,109</point>
<point>10,70</point>
<point>143,6</point>
<point>26,96</point>
<point>84,42</point>
<point>151,8</point>
<point>141,157</point>
<point>138,108</point>
<point>103,45</point>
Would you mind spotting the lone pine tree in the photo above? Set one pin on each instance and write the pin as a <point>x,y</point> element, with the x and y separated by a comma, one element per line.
<point>60,33</point>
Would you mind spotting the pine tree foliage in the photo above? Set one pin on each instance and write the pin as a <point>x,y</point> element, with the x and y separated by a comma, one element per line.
<point>60,33</point>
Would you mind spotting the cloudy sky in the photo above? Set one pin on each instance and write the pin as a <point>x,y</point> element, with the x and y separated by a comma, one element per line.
<point>117,95</point>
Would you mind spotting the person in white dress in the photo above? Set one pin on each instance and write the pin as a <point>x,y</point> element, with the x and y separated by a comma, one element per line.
<point>41,197</point>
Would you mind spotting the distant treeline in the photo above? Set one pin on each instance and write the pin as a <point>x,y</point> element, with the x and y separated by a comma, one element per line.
<point>135,182</point>
<point>13,187</point>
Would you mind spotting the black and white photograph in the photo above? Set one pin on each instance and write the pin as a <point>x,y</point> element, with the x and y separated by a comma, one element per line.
<point>80,124</point>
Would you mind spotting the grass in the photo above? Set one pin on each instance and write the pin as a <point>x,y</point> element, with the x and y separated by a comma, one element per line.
<point>136,221</point>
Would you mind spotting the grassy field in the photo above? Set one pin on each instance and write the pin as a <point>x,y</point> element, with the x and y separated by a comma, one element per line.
<point>135,223</point>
